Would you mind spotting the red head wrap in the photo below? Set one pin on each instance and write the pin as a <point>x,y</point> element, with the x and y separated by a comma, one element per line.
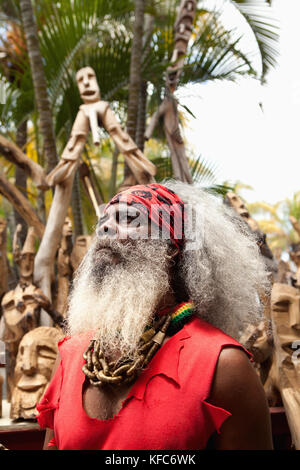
<point>162,206</point>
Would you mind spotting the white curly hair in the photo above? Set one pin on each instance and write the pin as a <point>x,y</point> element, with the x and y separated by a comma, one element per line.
<point>221,270</point>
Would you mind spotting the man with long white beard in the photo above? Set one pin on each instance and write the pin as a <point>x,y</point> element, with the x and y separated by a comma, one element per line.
<point>151,359</point>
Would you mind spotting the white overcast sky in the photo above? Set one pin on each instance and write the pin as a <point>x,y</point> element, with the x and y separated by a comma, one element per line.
<point>258,148</point>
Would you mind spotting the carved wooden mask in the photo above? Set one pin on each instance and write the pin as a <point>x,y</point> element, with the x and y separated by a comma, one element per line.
<point>20,311</point>
<point>285,304</point>
<point>35,360</point>
<point>79,250</point>
<point>88,85</point>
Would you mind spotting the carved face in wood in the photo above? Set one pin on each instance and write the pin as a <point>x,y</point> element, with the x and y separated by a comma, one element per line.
<point>35,360</point>
<point>285,305</point>
<point>67,230</point>
<point>295,257</point>
<point>26,266</point>
<point>237,204</point>
<point>88,85</point>
<point>20,310</point>
<point>25,258</point>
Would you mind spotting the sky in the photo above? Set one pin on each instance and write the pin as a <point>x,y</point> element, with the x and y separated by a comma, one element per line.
<point>257,146</point>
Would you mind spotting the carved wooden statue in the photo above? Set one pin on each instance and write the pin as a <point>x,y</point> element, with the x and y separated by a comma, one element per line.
<point>21,311</point>
<point>258,340</point>
<point>237,204</point>
<point>21,306</point>
<point>64,267</point>
<point>91,113</point>
<point>25,257</point>
<point>1,394</point>
<point>3,259</point>
<point>295,257</point>
<point>35,360</point>
<point>168,109</point>
<point>79,250</point>
<point>283,382</point>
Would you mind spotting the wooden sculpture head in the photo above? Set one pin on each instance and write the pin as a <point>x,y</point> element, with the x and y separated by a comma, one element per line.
<point>25,257</point>
<point>79,250</point>
<point>21,311</point>
<point>285,302</point>
<point>67,230</point>
<point>88,86</point>
<point>295,257</point>
<point>35,360</point>
<point>285,306</point>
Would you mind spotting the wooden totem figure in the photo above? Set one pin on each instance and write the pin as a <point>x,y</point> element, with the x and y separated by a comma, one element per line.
<point>21,306</point>
<point>80,248</point>
<point>168,109</point>
<point>294,253</point>
<point>35,360</point>
<point>64,267</point>
<point>25,257</point>
<point>93,112</point>
<point>3,259</point>
<point>283,382</point>
<point>258,340</point>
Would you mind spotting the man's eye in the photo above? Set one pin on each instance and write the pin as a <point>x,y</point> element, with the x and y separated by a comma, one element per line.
<point>126,218</point>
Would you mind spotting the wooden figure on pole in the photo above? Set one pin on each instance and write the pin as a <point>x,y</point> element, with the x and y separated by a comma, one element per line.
<point>168,108</point>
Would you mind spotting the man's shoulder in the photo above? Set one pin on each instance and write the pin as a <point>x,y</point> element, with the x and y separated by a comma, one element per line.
<point>201,330</point>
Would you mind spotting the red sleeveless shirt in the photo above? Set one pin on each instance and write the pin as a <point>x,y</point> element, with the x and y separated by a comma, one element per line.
<point>166,408</point>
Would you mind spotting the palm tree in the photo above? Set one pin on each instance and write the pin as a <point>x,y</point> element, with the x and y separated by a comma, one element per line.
<point>135,72</point>
<point>39,82</point>
<point>135,68</point>
<point>274,220</point>
<point>99,33</point>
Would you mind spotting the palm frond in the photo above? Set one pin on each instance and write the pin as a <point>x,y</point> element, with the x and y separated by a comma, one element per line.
<point>261,20</point>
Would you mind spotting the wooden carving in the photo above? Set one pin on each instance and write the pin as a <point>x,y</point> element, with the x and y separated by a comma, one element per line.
<point>183,30</point>
<point>259,341</point>
<point>90,187</point>
<point>1,394</point>
<point>64,267</point>
<point>14,154</point>
<point>21,306</point>
<point>237,204</point>
<point>284,377</point>
<point>21,314</point>
<point>234,201</point>
<point>79,250</point>
<point>3,259</point>
<point>90,114</point>
<point>21,204</point>
<point>168,109</point>
<point>25,257</point>
<point>295,257</point>
<point>35,360</point>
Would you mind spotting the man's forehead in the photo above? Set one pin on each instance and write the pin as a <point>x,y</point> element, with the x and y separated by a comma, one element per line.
<point>122,207</point>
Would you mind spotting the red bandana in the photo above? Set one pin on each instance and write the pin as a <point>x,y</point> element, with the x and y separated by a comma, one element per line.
<point>162,206</point>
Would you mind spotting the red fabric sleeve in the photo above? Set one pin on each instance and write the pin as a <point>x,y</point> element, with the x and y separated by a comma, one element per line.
<point>50,400</point>
<point>215,416</point>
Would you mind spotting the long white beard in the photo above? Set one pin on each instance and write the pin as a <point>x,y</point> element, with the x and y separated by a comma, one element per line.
<point>118,300</point>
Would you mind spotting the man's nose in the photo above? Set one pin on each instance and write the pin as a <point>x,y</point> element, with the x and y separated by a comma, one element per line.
<point>29,362</point>
<point>108,229</point>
